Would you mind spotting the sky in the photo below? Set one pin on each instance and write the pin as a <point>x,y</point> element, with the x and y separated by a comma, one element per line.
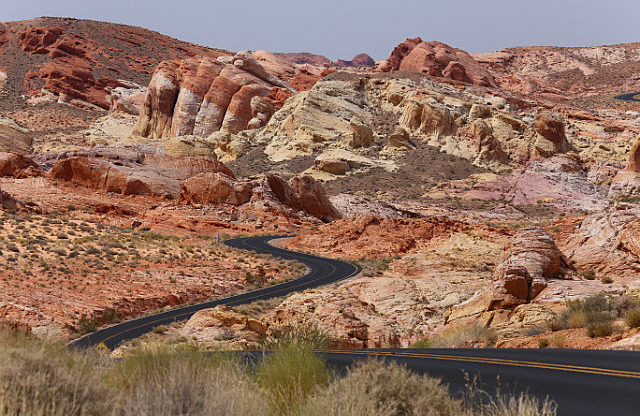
<point>340,29</point>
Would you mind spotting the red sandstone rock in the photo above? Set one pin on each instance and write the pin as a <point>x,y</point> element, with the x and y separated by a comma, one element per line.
<point>18,166</point>
<point>215,188</point>
<point>200,96</point>
<point>359,60</point>
<point>312,198</point>
<point>439,60</point>
<point>141,175</point>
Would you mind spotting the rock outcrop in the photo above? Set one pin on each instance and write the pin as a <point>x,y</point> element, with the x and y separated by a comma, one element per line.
<point>14,138</point>
<point>81,61</point>
<point>627,181</point>
<point>530,260</point>
<point>200,96</point>
<point>301,193</point>
<point>359,60</point>
<point>550,139</point>
<point>17,166</point>
<point>437,59</point>
<point>221,326</point>
<point>135,173</point>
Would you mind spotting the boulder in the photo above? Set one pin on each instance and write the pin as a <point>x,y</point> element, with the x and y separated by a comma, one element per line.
<point>627,181</point>
<point>333,166</point>
<point>222,325</point>
<point>215,188</point>
<point>550,138</point>
<point>312,198</point>
<point>399,139</point>
<point>184,146</point>
<point>531,259</point>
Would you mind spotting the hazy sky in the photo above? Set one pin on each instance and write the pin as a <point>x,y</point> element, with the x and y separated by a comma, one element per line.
<point>343,28</point>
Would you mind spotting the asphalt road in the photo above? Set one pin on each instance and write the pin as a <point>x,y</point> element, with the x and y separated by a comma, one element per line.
<point>581,382</point>
<point>628,97</point>
<point>321,271</point>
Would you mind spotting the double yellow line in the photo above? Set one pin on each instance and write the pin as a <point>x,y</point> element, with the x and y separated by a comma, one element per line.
<point>486,360</point>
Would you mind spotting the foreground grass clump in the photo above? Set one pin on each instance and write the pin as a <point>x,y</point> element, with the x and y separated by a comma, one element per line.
<point>169,381</point>
<point>42,378</point>
<point>464,335</point>
<point>39,378</point>
<point>377,388</point>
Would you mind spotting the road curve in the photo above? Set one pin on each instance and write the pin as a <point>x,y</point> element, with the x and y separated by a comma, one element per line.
<point>581,382</point>
<point>632,96</point>
<point>321,271</point>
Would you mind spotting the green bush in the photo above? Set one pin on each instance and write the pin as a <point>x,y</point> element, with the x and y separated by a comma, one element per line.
<point>301,336</point>
<point>289,377</point>
<point>632,318</point>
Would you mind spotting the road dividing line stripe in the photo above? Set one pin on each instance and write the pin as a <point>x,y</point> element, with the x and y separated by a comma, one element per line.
<point>496,361</point>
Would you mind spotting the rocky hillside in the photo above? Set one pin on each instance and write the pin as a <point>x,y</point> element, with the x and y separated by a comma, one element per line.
<point>69,59</point>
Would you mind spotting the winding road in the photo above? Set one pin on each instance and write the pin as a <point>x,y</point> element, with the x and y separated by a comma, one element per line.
<point>321,271</point>
<point>581,382</point>
<point>632,96</point>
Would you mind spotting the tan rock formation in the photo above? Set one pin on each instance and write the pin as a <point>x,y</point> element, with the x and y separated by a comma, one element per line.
<point>14,138</point>
<point>627,181</point>
<point>221,326</point>
<point>550,139</point>
<point>200,96</point>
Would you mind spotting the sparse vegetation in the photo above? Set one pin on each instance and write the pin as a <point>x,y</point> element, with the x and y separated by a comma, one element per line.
<point>464,335</point>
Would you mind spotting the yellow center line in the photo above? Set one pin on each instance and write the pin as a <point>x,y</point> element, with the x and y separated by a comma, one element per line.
<point>497,361</point>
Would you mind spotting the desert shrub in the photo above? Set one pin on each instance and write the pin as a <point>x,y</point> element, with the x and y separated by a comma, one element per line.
<point>601,329</point>
<point>521,405</point>
<point>589,275</point>
<point>594,309</point>
<point>632,318</point>
<point>289,377</point>
<point>301,336</point>
<point>576,319</point>
<point>555,324</point>
<point>167,381</point>
<point>606,280</point>
<point>623,304</point>
<point>464,335</point>
<point>543,343</point>
<point>423,343</point>
<point>381,388</point>
<point>42,378</point>
<point>558,340</point>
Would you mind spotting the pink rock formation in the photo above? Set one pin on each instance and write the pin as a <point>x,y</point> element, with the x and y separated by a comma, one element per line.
<point>528,262</point>
<point>439,60</point>
<point>359,60</point>
<point>215,188</point>
<point>200,96</point>
<point>551,138</point>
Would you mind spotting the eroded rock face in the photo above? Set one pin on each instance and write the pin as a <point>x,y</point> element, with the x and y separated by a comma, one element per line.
<point>17,166</point>
<point>133,174</point>
<point>531,259</point>
<point>627,181</point>
<point>330,111</point>
<point>439,60</point>
<point>301,193</point>
<point>215,188</point>
<point>200,96</point>
<point>14,138</point>
<point>550,138</point>
<point>221,326</point>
